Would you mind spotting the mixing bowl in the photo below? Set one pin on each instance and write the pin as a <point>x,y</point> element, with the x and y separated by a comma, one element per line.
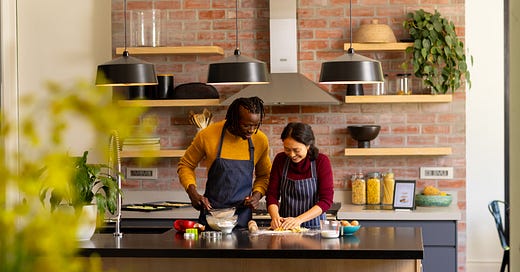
<point>223,224</point>
<point>363,134</point>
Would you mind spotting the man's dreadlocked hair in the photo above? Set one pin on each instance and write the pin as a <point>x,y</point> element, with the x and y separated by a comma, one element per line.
<point>253,105</point>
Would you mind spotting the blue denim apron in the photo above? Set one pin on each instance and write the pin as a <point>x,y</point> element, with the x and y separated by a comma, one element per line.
<point>229,183</point>
<point>298,196</point>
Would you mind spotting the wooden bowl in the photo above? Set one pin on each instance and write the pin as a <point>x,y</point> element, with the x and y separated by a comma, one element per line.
<point>374,33</point>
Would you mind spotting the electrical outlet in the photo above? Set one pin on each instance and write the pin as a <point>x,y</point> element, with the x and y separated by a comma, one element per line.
<point>141,173</point>
<point>436,172</point>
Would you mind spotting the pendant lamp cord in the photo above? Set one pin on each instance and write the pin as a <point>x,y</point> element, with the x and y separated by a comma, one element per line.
<point>237,49</point>
<point>351,49</point>
<point>125,52</point>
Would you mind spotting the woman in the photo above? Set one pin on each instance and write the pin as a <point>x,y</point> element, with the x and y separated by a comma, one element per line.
<point>301,187</point>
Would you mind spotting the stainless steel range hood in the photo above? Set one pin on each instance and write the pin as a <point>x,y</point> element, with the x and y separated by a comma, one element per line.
<point>287,87</point>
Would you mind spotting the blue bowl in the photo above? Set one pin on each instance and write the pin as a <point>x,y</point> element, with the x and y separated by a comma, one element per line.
<point>349,230</point>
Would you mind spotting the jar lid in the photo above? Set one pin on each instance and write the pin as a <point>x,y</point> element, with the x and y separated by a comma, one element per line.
<point>373,175</point>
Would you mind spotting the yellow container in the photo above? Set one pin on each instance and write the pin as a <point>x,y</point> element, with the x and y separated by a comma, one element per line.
<point>358,189</point>
<point>373,189</point>
<point>388,189</point>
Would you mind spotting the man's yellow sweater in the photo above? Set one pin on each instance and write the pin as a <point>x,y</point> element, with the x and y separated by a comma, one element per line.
<point>205,146</point>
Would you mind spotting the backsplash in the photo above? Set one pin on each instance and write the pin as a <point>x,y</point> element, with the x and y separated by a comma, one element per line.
<point>322,31</point>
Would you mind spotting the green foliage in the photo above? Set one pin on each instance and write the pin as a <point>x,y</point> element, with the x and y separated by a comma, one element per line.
<point>438,54</point>
<point>88,182</point>
<point>32,238</point>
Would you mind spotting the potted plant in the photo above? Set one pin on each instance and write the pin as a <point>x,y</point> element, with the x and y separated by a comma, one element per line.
<point>438,56</point>
<point>90,192</point>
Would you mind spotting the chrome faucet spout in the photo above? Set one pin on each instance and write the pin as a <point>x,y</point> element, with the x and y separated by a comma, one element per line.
<point>114,162</point>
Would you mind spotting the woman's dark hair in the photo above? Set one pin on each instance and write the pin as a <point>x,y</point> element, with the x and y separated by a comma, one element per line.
<point>301,133</point>
<point>253,105</point>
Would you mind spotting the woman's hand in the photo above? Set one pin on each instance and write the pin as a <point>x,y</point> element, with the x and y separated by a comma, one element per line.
<point>290,223</point>
<point>276,222</point>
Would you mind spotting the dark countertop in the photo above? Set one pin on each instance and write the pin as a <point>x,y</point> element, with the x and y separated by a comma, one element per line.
<point>367,243</point>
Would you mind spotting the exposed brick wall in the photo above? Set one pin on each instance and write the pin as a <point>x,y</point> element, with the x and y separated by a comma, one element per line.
<point>323,28</point>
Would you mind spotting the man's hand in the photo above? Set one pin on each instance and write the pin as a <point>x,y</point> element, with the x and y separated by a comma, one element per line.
<point>253,201</point>
<point>198,201</point>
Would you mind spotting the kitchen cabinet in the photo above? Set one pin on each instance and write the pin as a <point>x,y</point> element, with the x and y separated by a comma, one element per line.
<point>439,239</point>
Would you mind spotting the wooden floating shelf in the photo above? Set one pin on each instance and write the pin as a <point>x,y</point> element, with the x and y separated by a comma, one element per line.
<point>419,98</point>
<point>153,153</point>
<point>175,50</point>
<point>169,103</point>
<point>411,151</point>
<point>400,46</point>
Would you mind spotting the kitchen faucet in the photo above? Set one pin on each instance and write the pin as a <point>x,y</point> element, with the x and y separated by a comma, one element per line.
<point>114,161</point>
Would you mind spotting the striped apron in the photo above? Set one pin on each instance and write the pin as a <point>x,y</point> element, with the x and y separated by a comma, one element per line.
<point>298,196</point>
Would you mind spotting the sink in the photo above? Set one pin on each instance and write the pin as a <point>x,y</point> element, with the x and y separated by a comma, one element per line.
<point>134,230</point>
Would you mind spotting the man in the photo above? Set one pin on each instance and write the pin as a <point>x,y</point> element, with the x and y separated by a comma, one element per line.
<point>236,151</point>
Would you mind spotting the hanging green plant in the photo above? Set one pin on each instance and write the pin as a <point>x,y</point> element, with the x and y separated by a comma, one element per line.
<point>438,54</point>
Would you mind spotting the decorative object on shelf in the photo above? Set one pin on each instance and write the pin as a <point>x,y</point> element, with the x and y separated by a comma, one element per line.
<point>438,54</point>
<point>195,90</point>
<point>364,134</point>
<point>403,84</point>
<point>374,33</point>
<point>351,68</point>
<point>237,69</point>
<point>146,27</point>
<point>165,86</point>
<point>126,70</point>
<point>201,120</point>
<point>141,144</point>
<point>355,89</point>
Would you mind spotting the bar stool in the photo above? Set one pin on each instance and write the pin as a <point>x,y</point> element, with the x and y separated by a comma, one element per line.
<point>494,209</point>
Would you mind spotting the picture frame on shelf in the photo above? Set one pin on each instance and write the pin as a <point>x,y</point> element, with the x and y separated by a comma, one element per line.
<point>404,195</point>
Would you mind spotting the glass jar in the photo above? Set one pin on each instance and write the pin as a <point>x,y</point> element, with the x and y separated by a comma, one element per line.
<point>358,189</point>
<point>373,189</point>
<point>388,188</point>
<point>403,84</point>
<point>382,87</point>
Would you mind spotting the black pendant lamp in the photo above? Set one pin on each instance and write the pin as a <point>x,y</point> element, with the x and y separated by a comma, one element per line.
<point>351,68</point>
<point>237,69</point>
<point>126,70</point>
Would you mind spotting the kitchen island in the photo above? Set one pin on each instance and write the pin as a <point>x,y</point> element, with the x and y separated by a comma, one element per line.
<point>369,249</point>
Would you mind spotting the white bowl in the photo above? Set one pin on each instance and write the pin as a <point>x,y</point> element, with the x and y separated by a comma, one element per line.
<point>222,223</point>
<point>223,213</point>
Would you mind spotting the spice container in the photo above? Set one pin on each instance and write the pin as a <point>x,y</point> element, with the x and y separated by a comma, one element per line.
<point>358,189</point>
<point>373,189</point>
<point>388,188</point>
<point>403,84</point>
<point>382,87</point>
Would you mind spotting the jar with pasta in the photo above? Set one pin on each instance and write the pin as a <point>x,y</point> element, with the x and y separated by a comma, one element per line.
<point>388,188</point>
<point>373,189</point>
<point>358,189</point>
